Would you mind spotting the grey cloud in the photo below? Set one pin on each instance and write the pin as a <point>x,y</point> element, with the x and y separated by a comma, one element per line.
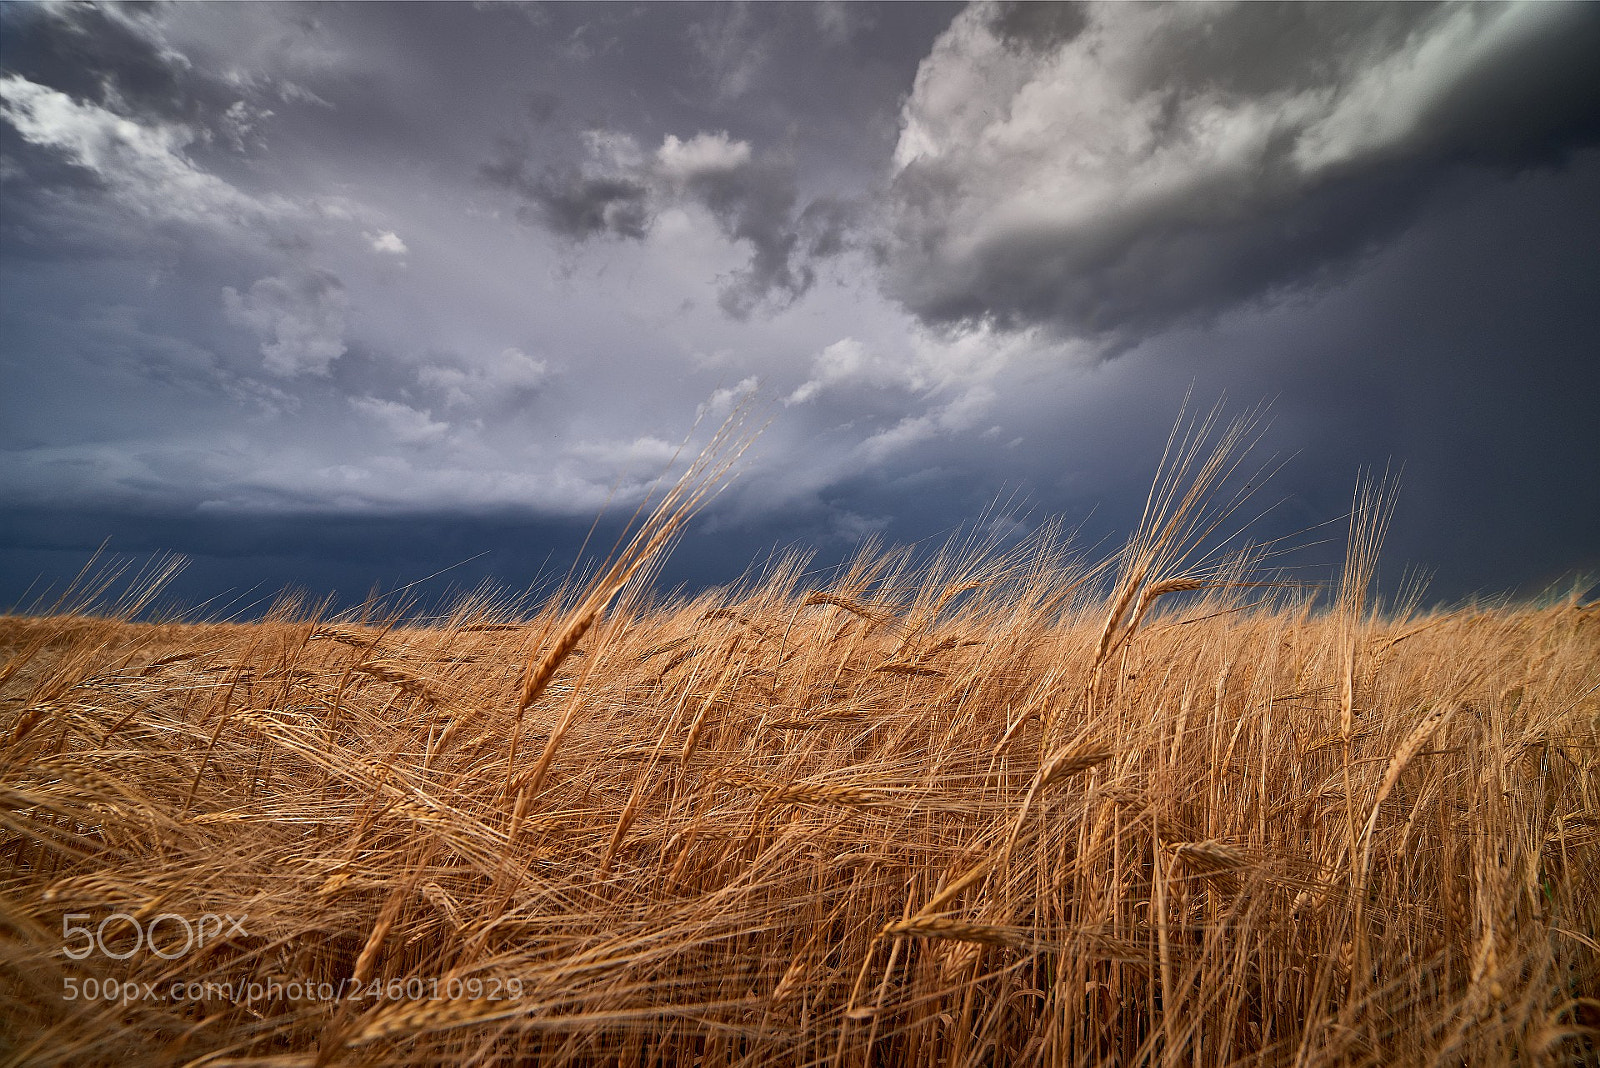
<point>829,226</point>
<point>509,169</point>
<point>542,105</point>
<point>570,202</point>
<point>240,123</point>
<point>1123,280</point>
<point>504,379</point>
<point>1268,48</point>
<point>1038,26</point>
<point>112,135</point>
<point>118,58</point>
<point>401,422</point>
<point>1160,165</point>
<point>577,205</point>
<point>838,21</point>
<point>1535,104</point>
<point>301,319</point>
<point>132,124</point>
<point>110,55</point>
<point>755,203</point>
<point>114,337</point>
<point>144,166</point>
<point>620,190</point>
<point>731,50</point>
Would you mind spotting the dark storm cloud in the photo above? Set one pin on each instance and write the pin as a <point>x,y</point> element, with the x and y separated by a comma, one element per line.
<point>1461,354</point>
<point>754,202</point>
<point>1039,27</point>
<point>1115,172</point>
<point>572,204</point>
<point>110,55</point>
<point>810,91</point>
<point>238,567</point>
<point>620,189</point>
<point>1125,283</point>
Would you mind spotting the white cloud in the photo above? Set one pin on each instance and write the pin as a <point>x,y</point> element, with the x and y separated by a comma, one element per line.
<point>293,93</point>
<point>403,423</point>
<point>1387,102</point>
<point>722,401</point>
<point>710,183</point>
<point>643,455</point>
<point>509,371</point>
<point>142,164</point>
<point>839,21</point>
<point>702,154</point>
<point>386,483</point>
<point>387,241</point>
<point>239,124</point>
<point>918,362</point>
<point>960,414</point>
<point>851,527</point>
<point>302,318</point>
<point>849,362</point>
<point>1072,141</point>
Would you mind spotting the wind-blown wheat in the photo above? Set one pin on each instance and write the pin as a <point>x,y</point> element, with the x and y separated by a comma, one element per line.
<point>1110,824</point>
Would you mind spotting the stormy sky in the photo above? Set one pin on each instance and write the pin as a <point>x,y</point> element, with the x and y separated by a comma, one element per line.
<point>340,296</point>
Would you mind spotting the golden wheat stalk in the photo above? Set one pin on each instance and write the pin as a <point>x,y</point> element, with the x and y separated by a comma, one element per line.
<point>404,1019</point>
<point>666,646</point>
<point>679,504</point>
<point>847,604</point>
<point>1432,721</point>
<point>368,957</point>
<point>675,510</point>
<point>398,676</point>
<point>819,794</point>
<point>359,638</point>
<point>1214,860</point>
<point>1103,647</point>
<point>907,668</point>
<point>1070,760</point>
<point>956,930</point>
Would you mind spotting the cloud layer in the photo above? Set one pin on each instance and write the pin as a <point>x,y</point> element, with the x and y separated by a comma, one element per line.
<point>491,263</point>
<point>1117,169</point>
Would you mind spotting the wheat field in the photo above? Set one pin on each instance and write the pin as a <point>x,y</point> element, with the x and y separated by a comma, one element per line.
<point>1025,807</point>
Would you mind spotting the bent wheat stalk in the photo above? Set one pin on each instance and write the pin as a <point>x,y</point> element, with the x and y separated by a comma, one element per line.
<point>685,498</point>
